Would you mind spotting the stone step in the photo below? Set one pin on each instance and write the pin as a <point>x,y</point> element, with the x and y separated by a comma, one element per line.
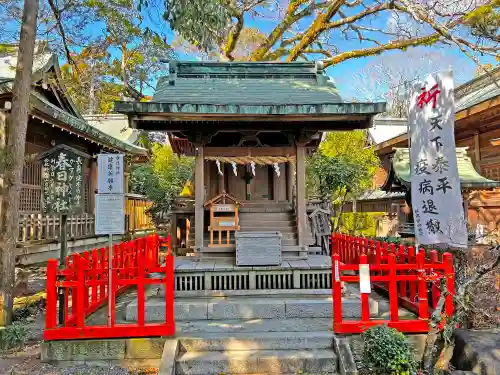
<point>285,241</point>
<point>248,308</point>
<point>257,361</point>
<point>261,293</point>
<point>232,326</point>
<point>259,227</point>
<point>267,216</point>
<point>265,209</point>
<point>256,341</point>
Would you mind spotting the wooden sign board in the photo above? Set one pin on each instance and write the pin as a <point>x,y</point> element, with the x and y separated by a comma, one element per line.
<point>62,181</point>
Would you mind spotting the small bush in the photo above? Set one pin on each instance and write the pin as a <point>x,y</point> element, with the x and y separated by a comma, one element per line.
<point>13,336</point>
<point>386,352</point>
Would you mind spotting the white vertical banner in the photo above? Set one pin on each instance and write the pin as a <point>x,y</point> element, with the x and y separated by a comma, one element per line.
<point>110,173</point>
<point>435,184</point>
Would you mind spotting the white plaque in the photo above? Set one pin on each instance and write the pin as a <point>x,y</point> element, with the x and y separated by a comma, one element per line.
<point>337,271</point>
<point>364,278</point>
<point>110,214</point>
<point>223,207</point>
<point>110,173</point>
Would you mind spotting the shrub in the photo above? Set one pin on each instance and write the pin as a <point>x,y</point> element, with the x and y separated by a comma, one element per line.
<point>13,336</point>
<point>386,352</point>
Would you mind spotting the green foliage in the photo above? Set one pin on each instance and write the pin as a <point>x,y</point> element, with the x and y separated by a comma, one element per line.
<point>485,20</point>
<point>13,336</point>
<point>202,22</point>
<point>387,352</point>
<point>359,223</point>
<point>342,165</point>
<point>163,179</point>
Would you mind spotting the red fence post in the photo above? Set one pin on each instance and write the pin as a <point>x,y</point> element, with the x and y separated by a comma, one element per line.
<point>102,273</point>
<point>412,283</point>
<point>423,304</point>
<point>95,256</point>
<point>337,291</point>
<point>402,260</point>
<point>80,298</point>
<point>393,288</point>
<point>169,286</point>
<point>51,309</point>
<point>435,291</point>
<point>141,258</point>
<point>449,273</point>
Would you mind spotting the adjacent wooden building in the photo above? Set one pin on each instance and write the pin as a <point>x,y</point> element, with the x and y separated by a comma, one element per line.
<point>55,120</point>
<point>477,130</point>
<point>250,127</point>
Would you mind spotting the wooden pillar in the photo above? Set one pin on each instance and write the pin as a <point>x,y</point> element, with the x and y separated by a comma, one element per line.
<point>300,182</point>
<point>289,181</point>
<point>199,199</point>
<point>466,196</point>
<point>477,153</point>
<point>92,184</point>
<point>173,233</point>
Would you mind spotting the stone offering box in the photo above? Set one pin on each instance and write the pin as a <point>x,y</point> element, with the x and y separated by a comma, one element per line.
<point>258,248</point>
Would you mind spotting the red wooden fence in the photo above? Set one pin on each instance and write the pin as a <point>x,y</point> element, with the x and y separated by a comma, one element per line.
<point>84,282</point>
<point>410,279</point>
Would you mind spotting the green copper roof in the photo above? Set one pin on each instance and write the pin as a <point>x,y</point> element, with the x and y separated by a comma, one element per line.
<point>469,178</point>
<point>263,88</point>
<point>82,126</point>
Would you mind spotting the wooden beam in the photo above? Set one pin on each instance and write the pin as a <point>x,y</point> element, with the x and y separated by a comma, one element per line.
<point>249,151</point>
<point>478,108</point>
<point>203,117</point>
<point>199,199</point>
<point>387,146</point>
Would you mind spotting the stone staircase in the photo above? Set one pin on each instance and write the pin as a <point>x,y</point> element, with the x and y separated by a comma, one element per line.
<point>275,334</point>
<point>261,216</point>
<point>257,353</point>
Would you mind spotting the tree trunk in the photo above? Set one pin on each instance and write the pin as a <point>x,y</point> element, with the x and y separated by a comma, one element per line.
<point>16,138</point>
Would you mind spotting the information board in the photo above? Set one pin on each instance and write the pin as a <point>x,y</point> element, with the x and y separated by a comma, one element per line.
<point>110,214</point>
<point>110,173</point>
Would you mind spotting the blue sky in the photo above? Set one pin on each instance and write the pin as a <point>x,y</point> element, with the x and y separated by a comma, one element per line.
<point>341,73</point>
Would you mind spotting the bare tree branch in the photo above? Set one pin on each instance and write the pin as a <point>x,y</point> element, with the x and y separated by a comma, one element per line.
<point>288,20</point>
<point>316,28</point>
<point>400,44</point>
<point>233,36</point>
<point>57,16</point>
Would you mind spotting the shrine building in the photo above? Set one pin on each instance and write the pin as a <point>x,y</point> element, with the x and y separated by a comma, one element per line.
<point>250,127</point>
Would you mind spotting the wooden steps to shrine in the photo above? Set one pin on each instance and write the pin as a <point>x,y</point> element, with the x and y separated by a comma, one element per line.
<point>259,216</point>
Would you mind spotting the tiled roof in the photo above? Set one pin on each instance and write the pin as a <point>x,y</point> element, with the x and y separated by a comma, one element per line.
<point>248,88</point>
<point>43,63</point>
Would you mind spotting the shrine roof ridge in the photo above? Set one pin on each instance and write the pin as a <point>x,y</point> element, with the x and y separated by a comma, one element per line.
<point>64,147</point>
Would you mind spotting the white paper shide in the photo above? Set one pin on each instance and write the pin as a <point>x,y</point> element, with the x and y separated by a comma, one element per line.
<point>435,183</point>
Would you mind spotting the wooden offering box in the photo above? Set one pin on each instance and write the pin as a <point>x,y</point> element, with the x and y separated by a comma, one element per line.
<point>224,219</point>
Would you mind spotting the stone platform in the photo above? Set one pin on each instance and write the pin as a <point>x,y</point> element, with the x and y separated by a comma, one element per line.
<point>193,274</point>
